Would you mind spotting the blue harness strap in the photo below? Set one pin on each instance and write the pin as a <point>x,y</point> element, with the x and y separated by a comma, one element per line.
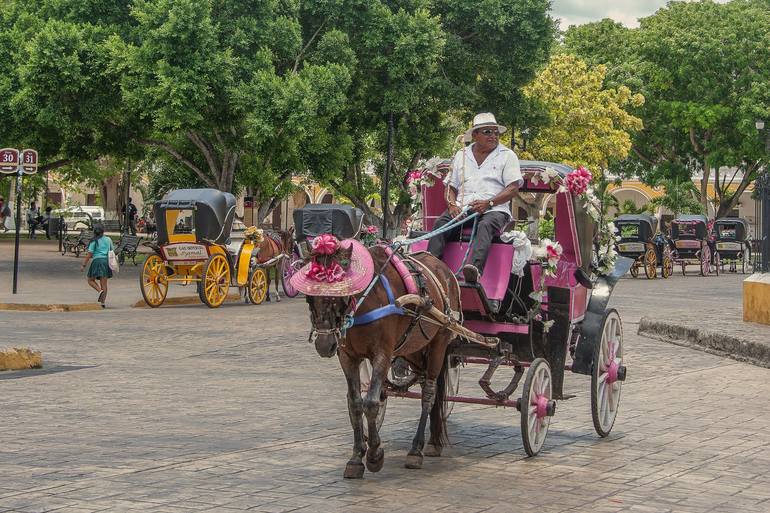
<point>383,311</point>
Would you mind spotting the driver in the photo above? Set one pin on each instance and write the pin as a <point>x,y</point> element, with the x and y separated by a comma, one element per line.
<point>484,176</point>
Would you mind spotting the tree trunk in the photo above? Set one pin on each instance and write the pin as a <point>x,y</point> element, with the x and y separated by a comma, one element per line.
<point>385,196</point>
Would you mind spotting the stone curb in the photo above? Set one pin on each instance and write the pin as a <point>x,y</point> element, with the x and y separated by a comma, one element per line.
<point>36,307</point>
<point>186,300</point>
<point>709,341</point>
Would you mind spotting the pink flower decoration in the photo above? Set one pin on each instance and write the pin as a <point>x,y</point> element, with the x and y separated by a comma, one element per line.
<point>371,229</point>
<point>578,180</point>
<point>551,252</point>
<point>413,175</point>
<point>325,244</point>
<point>330,274</point>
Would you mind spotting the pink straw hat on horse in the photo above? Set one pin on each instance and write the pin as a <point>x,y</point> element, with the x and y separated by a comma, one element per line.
<point>355,279</point>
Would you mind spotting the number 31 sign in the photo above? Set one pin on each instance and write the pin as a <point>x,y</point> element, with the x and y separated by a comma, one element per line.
<point>10,158</point>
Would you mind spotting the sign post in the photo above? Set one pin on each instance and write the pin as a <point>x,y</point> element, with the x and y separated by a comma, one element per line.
<point>20,163</point>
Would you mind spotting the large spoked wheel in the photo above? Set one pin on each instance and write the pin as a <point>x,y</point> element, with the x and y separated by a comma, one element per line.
<point>705,260</point>
<point>536,406</point>
<point>668,266</point>
<point>154,281</point>
<point>288,268</point>
<point>216,281</point>
<point>635,269</point>
<point>365,372</point>
<point>257,286</point>
<point>608,374</point>
<point>650,264</point>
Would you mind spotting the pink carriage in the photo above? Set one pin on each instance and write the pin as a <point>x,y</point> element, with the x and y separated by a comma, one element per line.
<point>571,328</point>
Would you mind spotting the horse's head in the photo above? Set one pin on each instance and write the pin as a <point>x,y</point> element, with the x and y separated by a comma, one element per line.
<point>327,313</point>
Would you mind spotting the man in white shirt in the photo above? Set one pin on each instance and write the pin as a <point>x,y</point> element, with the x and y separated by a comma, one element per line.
<point>485,176</point>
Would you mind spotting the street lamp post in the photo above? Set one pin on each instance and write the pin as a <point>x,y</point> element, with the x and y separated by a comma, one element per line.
<point>762,186</point>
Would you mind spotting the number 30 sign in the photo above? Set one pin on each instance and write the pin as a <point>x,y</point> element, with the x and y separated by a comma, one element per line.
<point>10,158</point>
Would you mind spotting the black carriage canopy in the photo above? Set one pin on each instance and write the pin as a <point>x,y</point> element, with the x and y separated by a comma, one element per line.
<point>731,229</point>
<point>640,227</point>
<point>691,226</point>
<point>213,213</point>
<point>342,221</point>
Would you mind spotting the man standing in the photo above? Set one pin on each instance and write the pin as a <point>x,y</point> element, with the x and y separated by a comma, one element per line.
<point>33,215</point>
<point>5,213</point>
<point>131,216</point>
<point>485,176</point>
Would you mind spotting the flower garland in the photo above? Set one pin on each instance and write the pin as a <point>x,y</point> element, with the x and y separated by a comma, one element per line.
<point>578,182</point>
<point>368,235</point>
<point>549,253</point>
<point>324,269</point>
<point>432,170</point>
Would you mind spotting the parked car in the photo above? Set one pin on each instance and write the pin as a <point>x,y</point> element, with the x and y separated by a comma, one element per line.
<point>79,217</point>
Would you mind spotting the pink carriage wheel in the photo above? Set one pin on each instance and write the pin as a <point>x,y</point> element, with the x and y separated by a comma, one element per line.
<point>536,406</point>
<point>608,374</point>
<point>288,268</point>
<point>705,260</point>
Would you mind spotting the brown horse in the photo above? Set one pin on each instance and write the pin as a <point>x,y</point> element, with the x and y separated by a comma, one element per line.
<point>381,341</point>
<point>275,243</point>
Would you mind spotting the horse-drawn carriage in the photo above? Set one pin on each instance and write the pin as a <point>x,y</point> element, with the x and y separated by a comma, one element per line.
<point>690,244</point>
<point>637,241</point>
<point>732,243</point>
<point>407,319</point>
<point>193,232</point>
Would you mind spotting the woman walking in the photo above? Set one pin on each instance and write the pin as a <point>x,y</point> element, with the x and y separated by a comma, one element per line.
<point>98,250</point>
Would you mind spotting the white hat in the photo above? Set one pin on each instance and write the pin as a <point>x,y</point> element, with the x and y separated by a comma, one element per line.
<point>480,120</point>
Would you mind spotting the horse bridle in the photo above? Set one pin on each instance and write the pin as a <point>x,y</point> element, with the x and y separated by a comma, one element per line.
<point>338,321</point>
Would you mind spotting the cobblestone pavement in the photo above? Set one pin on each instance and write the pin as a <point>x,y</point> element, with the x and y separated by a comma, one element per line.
<point>185,409</point>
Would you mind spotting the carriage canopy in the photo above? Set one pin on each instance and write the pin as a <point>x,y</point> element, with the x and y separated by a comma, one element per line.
<point>731,229</point>
<point>195,215</point>
<point>637,227</point>
<point>691,226</point>
<point>342,221</point>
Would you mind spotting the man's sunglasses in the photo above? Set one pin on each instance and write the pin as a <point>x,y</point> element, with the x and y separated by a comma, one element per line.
<point>489,131</point>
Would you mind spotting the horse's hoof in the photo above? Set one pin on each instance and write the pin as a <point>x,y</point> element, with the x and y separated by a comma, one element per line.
<point>354,470</point>
<point>374,459</point>
<point>433,451</point>
<point>413,460</point>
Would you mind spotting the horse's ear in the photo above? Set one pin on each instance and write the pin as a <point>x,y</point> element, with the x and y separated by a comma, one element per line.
<point>346,253</point>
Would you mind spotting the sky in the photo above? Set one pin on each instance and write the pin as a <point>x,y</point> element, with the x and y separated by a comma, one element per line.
<point>577,12</point>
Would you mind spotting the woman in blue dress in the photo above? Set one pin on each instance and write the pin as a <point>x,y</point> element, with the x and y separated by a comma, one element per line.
<point>98,250</point>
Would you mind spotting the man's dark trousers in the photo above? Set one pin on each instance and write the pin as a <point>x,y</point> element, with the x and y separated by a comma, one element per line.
<point>490,224</point>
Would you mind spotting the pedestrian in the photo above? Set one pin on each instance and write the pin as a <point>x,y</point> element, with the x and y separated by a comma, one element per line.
<point>131,216</point>
<point>47,222</point>
<point>33,215</point>
<point>5,214</point>
<point>98,251</point>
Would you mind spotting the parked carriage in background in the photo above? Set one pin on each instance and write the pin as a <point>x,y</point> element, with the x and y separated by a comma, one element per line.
<point>637,233</point>
<point>732,243</point>
<point>193,232</point>
<point>690,244</point>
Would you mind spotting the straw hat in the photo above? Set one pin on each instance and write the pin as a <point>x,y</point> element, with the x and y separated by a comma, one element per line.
<point>481,120</point>
<point>356,278</point>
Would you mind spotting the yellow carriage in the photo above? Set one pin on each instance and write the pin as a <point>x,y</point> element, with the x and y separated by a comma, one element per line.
<point>192,247</point>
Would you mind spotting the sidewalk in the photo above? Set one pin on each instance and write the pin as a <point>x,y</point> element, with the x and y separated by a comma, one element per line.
<point>48,278</point>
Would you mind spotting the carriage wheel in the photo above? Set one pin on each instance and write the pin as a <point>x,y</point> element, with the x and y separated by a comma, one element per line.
<point>635,269</point>
<point>257,287</point>
<point>288,268</point>
<point>608,374</point>
<point>216,281</point>
<point>650,264</point>
<point>365,373</point>
<point>668,267</point>
<point>705,261</point>
<point>154,281</point>
<point>536,406</point>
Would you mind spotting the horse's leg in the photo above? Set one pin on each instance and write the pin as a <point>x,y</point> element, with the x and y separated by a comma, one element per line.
<point>431,396</point>
<point>278,271</point>
<point>355,467</point>
<point>375,456</point>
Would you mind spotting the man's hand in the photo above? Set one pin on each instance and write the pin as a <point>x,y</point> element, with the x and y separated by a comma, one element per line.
<point>453,210</point>
<point>480,206</point>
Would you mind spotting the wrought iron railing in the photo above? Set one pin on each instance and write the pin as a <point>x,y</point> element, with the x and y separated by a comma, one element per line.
<point>761,245</point>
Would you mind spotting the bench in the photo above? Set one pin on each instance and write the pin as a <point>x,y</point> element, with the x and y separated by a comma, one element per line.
<point>127,247</point>
<point>76,243</point>
<point>112,225</point>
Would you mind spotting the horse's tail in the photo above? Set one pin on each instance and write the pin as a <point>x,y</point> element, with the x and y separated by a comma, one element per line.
<point>438,429</point>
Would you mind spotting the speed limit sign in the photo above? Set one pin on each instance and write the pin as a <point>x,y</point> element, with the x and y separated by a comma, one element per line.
<point>29,161</point>
<point>9,160</point>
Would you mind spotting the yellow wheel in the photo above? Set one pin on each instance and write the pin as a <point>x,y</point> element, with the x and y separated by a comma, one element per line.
<point>635,269</point>
<point>216,281</point>
<point>668,266</point>
<point>154,281</point>
<point>257,287</point>
<point>650,264</point>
